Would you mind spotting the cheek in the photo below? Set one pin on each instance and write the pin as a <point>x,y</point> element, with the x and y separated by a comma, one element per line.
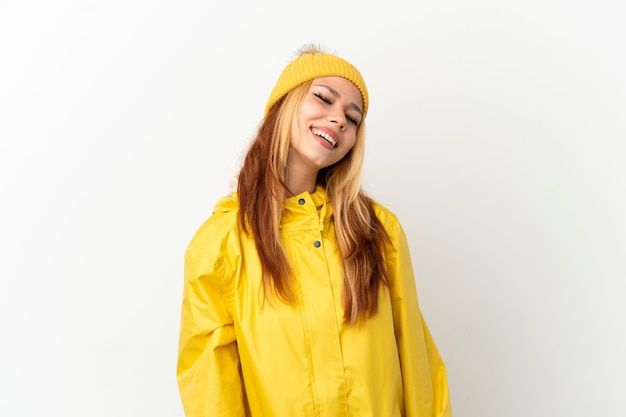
<point>351,141</point>
<point>308,109</point>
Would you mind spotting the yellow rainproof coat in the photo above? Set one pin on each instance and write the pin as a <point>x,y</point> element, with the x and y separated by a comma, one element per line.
<point>241,356</point>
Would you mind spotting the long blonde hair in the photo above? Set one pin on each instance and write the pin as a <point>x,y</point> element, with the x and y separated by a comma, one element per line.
<point>361,237</point>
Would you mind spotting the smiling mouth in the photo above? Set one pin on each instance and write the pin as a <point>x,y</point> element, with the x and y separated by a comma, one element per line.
<point>325,136</point>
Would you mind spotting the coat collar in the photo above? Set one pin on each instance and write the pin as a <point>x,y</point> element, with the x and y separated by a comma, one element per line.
<point>306,211</point>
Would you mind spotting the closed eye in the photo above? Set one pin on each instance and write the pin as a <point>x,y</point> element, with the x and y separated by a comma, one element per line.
<point>352,120</point>
<point>321,97</point>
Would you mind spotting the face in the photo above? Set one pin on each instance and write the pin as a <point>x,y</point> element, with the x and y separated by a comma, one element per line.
<point>326,128</point>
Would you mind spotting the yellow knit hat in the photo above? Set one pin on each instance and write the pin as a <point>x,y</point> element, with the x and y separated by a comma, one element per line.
<point>314,65</point>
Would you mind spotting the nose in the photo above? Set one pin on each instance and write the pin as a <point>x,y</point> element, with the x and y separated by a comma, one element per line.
<point>338,120</point>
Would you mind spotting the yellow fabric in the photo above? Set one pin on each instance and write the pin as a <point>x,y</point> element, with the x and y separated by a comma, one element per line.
<point>241,356</point>
<point>315,65</point>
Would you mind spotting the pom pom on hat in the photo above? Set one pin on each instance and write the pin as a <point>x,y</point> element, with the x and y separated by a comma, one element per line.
<point>310,65</point>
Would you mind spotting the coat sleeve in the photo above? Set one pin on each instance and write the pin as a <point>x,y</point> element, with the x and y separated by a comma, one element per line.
<point>208,362</point>
<point>423,371</point>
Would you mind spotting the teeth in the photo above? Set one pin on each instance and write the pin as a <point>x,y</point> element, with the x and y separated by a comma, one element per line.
<point>325,136</point>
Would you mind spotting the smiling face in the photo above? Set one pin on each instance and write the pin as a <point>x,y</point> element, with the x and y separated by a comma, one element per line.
<point>325,130</point>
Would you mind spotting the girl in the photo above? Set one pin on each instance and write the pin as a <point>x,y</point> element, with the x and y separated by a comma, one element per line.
<point>299,296</point>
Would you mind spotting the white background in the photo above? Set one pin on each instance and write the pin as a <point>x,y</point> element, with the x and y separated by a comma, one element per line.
<point>496,133</point>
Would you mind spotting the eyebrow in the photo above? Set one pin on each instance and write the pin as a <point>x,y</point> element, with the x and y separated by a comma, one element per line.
<point>336,94</point>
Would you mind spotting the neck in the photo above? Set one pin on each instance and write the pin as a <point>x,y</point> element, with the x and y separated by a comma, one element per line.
<point>301,180</point>
<point>301,184</point>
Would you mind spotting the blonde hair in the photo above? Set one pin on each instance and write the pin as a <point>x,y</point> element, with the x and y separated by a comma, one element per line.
<point>361,237</point>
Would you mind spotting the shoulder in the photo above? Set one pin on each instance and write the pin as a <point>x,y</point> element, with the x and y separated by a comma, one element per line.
<point>396,252</point>
<point>397,236</point>
<point>387,217</point>
<point>221,226</point>
<point>211,256</point>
